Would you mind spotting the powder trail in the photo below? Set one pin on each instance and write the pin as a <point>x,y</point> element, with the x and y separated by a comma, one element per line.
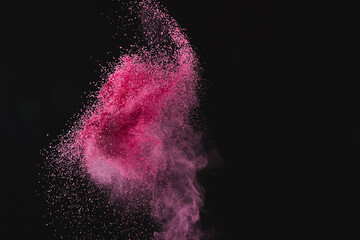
<point>136,140</point>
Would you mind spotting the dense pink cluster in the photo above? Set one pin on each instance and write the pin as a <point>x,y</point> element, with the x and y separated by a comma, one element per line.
<point>122,128</point>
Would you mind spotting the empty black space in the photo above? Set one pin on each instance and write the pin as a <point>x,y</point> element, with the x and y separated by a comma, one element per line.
<point>282,106</point>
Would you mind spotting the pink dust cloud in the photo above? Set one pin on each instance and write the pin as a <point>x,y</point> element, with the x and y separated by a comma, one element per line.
<point>136,140</point>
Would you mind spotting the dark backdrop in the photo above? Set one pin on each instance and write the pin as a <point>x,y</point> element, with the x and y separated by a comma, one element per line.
<point>282,107</point>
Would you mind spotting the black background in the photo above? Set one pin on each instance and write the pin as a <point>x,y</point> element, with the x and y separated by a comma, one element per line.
<point>282,107</point>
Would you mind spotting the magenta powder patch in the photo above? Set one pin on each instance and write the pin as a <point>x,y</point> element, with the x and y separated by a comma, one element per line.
<point>127,166</point>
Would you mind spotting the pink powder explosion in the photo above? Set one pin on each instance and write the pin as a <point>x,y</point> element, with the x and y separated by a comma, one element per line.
<point>135,142</point>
